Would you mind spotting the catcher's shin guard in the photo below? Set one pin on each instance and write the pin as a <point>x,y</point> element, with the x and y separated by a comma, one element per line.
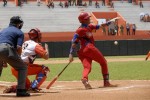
<point>39,80</point>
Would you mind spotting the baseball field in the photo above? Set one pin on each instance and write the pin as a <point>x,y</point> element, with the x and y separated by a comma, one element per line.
<point>130,73</point>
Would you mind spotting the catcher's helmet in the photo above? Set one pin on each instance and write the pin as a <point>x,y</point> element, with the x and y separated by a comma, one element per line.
<point>83,16</point>
<point>35,34</point>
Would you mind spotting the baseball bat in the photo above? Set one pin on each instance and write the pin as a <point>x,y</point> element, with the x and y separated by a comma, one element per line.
<point>112,20</point>
<point>56,77</point>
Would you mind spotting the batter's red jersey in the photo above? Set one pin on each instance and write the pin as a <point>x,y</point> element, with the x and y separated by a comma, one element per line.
<point>84,34</point>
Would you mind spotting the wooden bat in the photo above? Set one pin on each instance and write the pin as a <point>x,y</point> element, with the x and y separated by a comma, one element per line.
<point>109,22</point>
<point>112,20</point>
<point>56,77</point>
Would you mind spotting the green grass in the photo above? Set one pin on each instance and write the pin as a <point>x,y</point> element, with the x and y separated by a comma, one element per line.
<point>131,70</point>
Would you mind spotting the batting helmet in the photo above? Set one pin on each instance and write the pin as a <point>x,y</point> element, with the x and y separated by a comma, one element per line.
<point>16,20</point>
<point>83,16</point>
<point>35,34</point>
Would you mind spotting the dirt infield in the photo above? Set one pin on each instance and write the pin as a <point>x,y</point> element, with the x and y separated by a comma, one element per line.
<point>74,90</point>
<point>77,60</point>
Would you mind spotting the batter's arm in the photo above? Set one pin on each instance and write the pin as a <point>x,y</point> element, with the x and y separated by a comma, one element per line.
<point>72,50</point>
<point>73,47</point>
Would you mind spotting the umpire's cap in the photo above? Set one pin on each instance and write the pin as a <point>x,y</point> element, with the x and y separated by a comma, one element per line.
<point>16,20</point>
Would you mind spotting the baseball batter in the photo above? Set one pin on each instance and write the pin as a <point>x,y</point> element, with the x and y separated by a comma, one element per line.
<point>88,51</point>
<point>30,49</point>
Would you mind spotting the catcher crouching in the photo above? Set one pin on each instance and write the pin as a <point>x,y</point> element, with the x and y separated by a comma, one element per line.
<point>30,50</point>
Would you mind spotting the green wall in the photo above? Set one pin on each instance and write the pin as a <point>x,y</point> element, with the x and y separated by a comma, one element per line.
<point>124,47</point>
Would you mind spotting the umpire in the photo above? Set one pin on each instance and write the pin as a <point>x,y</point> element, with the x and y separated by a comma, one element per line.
<point>11,40</point>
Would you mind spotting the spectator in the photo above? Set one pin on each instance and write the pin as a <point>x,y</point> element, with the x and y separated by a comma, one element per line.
<point>66,4</point>
<point>128,28</point>
<point>19,3</point>
<point>74,3</point>
<point>146,17</point>
<point>122,1</point>
<point>69,2</point>
<point>90,2</point>
<point>50,4</point>
<point>5,3</point>
<point>104,30</point>
<point>25,1</point>
<point>133,29</point>
<point>112,4</point>
<point>85,4</point>
<point>142,16</point>
<point>141,4</point>
<point>112,28</point>
<point>103,2</point>
<point>97,4</point>
<point>61,4</point>
<point>38,2</point>
<point>116,29</point>
<point>121,29</point>
<point>79,2</point>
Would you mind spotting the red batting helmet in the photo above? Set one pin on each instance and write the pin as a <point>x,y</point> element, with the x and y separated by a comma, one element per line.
<point>83,16</point>
<point>35,34</point>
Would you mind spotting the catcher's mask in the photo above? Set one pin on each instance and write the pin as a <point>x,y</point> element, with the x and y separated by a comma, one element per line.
<point>35,34</point>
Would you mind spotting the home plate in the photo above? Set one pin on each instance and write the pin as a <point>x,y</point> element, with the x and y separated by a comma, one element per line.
<point>14,94</point>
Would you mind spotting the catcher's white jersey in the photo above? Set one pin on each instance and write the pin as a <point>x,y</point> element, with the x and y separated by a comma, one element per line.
<point>28,54</point>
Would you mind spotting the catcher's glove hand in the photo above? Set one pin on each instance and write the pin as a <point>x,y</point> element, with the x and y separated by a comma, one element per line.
<point>45,69</point>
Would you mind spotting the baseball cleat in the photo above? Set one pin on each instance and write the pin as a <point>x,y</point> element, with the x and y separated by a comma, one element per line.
<point>22,93</point>
<point>86,84</point>
<point>107,84</point>
<point>34,90</point>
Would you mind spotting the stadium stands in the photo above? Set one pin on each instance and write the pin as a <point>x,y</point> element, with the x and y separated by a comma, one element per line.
<point>65,20</point>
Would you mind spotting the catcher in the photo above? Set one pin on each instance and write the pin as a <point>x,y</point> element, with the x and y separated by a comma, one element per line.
<point>30,50</point>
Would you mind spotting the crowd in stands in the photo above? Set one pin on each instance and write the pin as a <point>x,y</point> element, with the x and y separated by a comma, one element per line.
<point>68,3</point>
<point>115,29</point>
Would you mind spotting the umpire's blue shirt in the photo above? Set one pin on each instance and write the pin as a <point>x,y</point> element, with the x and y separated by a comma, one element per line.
<point>12,36</point>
